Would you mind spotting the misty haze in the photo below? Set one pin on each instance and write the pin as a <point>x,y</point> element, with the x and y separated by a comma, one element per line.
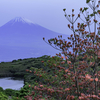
<point>21,38</point>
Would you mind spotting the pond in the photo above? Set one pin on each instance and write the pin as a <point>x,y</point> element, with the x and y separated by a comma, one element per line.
<point>11,83</point>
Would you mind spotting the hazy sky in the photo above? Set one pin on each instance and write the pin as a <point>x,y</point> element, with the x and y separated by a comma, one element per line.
<point>47,13</point>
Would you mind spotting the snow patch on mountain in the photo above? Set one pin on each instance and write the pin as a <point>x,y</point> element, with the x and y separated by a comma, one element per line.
<point>21,19</point>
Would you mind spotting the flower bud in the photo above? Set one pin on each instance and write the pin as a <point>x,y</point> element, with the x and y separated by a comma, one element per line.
<point>72,10</point>
<point>43,38</point>
<point>97,5</point>
<point>78,15</point>
<point>80,9</point>
<point>69,25</point>
<point>73,15</point>
<point>72,27</point>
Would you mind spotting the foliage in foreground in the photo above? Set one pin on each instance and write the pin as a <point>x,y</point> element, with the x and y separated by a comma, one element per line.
<point>78,80</point>
<point>3,96</point>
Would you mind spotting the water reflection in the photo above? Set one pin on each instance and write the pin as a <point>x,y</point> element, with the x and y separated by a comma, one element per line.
<point>11,83</point>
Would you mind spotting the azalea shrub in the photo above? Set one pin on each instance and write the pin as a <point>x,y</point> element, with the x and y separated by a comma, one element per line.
<point>73,75</point>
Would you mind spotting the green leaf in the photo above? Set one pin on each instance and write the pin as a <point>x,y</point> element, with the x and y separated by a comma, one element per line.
<point>64,9</point>
<point>82,24</point>
<point>44,63</point>
<point>55,42</point>
<point>98,11</point>
<point>88,36</point>
<point>87,1</point>
<point>76,30</point>
<point>85,8</point>
<point>51,39</point>
<point>91,15</point>
<point>82,10</point>
<point>69,15</point>
<point>95,12</point>
<point>87,19</point>
<point>88,16</point>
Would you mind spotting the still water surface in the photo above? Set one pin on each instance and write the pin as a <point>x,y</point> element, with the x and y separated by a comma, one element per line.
<point>11,83</point>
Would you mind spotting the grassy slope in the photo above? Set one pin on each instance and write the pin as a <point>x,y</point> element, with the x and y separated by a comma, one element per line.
<point>18,67</point>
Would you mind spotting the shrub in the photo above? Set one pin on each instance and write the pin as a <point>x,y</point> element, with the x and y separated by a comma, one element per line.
<point>68,77</point>
<point>9,92</point>
<point>1,89</point>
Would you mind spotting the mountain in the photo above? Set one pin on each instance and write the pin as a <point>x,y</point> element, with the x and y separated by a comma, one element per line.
<point>24,26</point>
<point>21,38</point>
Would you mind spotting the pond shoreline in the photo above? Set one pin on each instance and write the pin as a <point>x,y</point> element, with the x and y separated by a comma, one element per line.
<point>11,83</point>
